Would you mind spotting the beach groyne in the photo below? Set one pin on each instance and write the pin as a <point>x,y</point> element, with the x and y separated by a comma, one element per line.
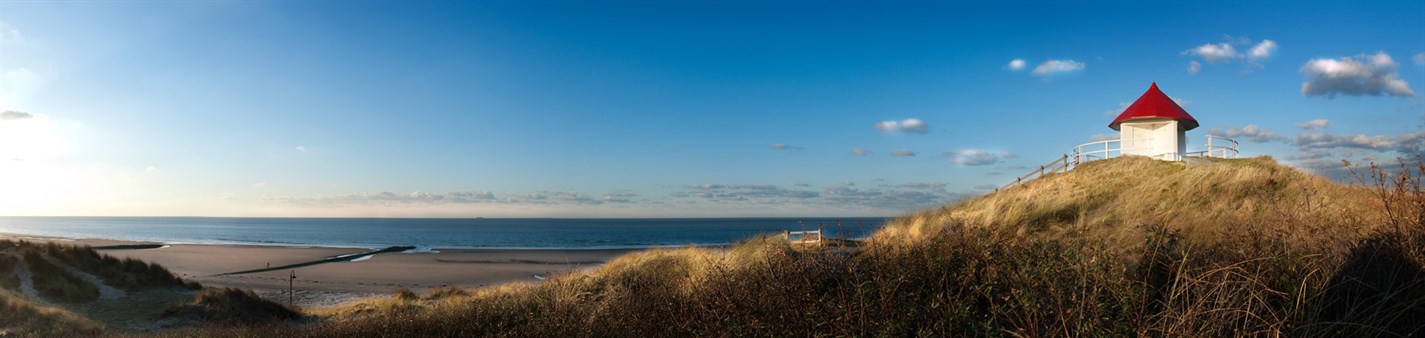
<point>333,259</point>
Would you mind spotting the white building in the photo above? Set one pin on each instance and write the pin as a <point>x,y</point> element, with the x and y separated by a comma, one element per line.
<point>1154,126</point>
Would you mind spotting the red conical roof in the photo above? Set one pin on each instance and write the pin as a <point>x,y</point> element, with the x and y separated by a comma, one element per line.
<point>1155,105</point>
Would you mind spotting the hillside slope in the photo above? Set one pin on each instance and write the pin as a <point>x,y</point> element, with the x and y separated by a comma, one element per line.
<point>1217,201</point>
<point>1118,247</point>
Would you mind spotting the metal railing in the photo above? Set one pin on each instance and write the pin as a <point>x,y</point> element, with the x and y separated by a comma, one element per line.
<point>800,237</point>
<point>1106,149</point>
<point>1217,147</point>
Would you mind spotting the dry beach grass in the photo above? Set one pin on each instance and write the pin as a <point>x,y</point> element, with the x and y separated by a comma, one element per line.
<point>1232,248</point>
<point>1119,247</point>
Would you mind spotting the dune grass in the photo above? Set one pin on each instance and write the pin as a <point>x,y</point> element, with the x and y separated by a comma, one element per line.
<point>126,273</point>
<point>1115,248</point>
<point>22,318</point>
<point>230,306</point>
<point>54,283</point>
<point>8,278</point>
<point>1233,248</point>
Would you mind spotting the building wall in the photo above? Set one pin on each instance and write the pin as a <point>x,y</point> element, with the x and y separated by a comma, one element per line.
<point>1161,139</point>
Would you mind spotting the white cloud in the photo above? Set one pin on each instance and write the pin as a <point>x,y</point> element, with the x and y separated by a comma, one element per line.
<point>1419,59</point>
<point>897,199</point>
<point>745,192</point>
<point>1214,52</point>
<point>302,148</point>
<point>1016,65</point>
<point>1226,52</point>
<point>1055,67</point>
<point>15,115</point>
<point>619,197</point>
<point>1362,75</point>
<point>923,185</point>
<point>782,146</point>
<point>902,152</point>
<point>1406,143</point>
<point>259,185</point>
<point>1250,133</point>
<point>1311,154</point>
<point>858,151</point>
<point>1317,124</point>
<point>910,125</point>
<point>975,157</point>
<point>150,169</point>
<point>1262,50</point>
<point>417,198</point>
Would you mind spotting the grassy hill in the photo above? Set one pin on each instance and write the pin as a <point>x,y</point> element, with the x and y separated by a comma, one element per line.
<point>1127,246</point>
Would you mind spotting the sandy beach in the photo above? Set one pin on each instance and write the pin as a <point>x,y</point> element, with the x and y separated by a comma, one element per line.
<point>336,282</point>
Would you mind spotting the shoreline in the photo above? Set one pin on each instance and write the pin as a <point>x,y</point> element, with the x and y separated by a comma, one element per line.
<point>322,281</point>
<point>97,242</point>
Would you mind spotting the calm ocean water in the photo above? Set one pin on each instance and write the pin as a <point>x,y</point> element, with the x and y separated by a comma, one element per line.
<point>427,233</point>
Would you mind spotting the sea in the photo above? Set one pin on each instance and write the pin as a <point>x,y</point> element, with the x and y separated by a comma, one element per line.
<point>431,233</point>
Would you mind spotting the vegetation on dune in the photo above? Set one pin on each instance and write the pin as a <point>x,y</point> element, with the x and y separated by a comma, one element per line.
<point>8,278</point>
<point>126,273</point>
<point>54,283</point>
<point>67,304</point>
<point>1119,247</point>
<point>1114,248</point>
<point>1203,202</point>
<point>20,317</point>
<point>230,306</point>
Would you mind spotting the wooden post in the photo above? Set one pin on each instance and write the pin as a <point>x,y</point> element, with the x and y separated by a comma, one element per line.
<point>290,296</point>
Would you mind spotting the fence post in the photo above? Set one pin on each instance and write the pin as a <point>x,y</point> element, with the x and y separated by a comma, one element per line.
<point>1209,146</point>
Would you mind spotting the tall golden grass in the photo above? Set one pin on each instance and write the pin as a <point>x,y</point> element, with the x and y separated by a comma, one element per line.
<point>1119,247</point>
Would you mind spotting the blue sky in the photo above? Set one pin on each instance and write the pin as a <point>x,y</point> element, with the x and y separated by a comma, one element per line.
<point>654,109</point>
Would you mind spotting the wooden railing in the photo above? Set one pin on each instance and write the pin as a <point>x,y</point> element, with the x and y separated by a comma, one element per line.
<point>1057,166</point>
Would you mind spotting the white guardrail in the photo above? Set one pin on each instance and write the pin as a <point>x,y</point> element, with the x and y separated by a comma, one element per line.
<point>1217,147</point>
<point>802,237</point>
